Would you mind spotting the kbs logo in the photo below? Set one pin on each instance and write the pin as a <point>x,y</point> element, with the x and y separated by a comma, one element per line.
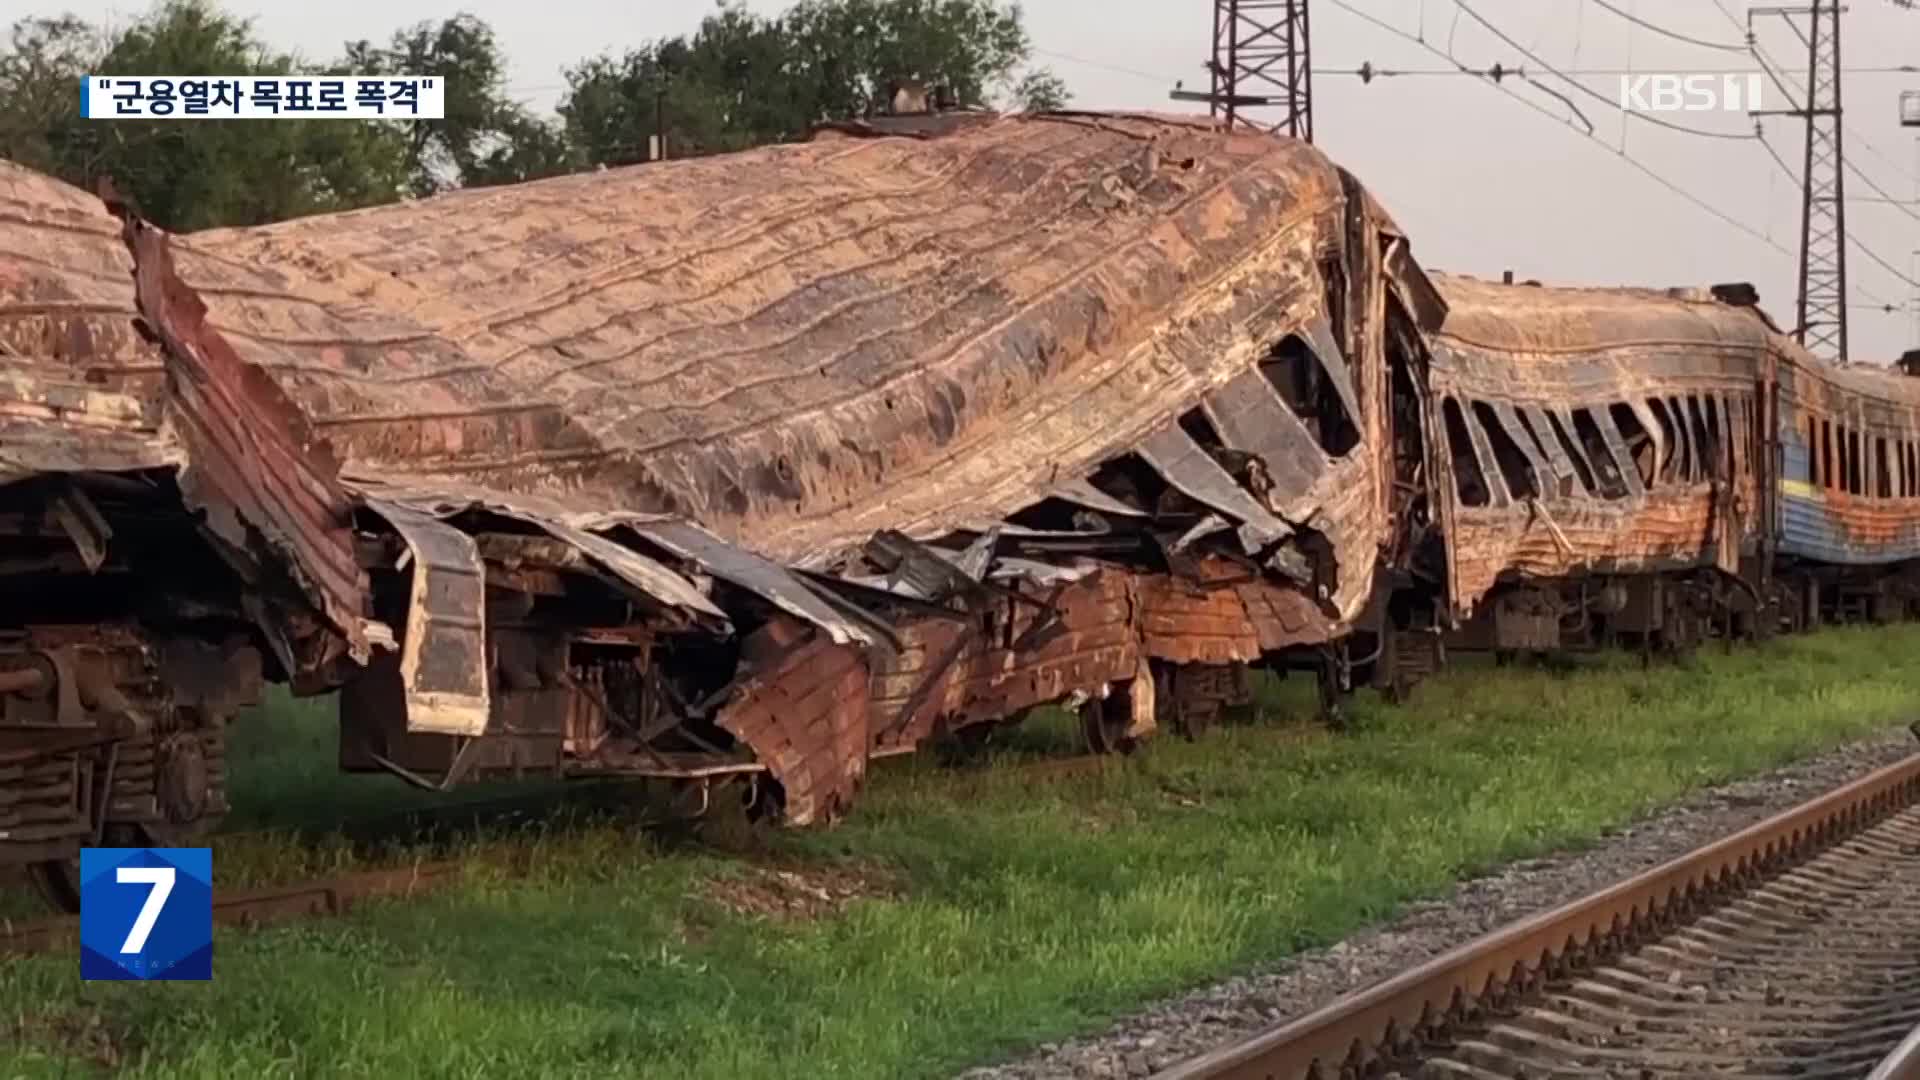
<point>146,913</point>
<point>1690,93</point>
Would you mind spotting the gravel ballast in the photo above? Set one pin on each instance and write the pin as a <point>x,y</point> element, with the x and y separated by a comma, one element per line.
<point>1207,1018</point>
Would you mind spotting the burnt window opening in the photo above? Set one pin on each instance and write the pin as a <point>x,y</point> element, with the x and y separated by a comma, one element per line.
<point>1882,472</point>
<point>1721,459</point>
<point>1827,475</point>
<point>1562,485</point>
<point>1298,377</point>
<point>1406,406</point>
<point>1467,477</point>
<point>1743,433</point>
<point>1706,448</point>
<point>1200,429</point>
<point>1913,470</point>
<point>1841,470</point>
<point>1132,481</point>
<point>1856,467</point>
<point>1605,469</point>
<point>1670,456</point>
<point>1639,441</point>
<point>1813,452</point>
<point>1688,468</point>
<point>1740,422</point>
<point>1334,275</point>
<point>1515,468</point>
<point>1573,454</point>
<point>1845,452</point>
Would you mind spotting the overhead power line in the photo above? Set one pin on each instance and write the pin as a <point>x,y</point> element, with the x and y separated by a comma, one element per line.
<point>1664,32</point>
<point>1872,255</point>
<point>1582,87</point>
<point>1649,172</point>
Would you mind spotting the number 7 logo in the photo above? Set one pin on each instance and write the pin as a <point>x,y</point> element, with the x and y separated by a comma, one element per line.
<point>146,913</point>
<point>161,878</point>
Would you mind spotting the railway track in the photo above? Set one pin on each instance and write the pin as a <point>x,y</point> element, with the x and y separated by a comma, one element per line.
<point>1791,948</point>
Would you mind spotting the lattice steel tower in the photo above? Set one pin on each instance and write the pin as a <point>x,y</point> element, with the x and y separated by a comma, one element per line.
<point>1823,214</point>
<point>1262,66</point>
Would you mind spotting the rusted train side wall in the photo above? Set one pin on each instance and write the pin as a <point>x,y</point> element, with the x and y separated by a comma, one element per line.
<point>1605,437</point>
<point>1848,492</point>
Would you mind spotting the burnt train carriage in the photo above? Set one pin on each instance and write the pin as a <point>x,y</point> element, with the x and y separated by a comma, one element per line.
<point>1632,466</point>
<point>1848,519</point>
<point>751,466</point>
<point>1605,463</point>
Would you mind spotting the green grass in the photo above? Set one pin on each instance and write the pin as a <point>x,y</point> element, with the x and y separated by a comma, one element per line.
<point>1004,911</point>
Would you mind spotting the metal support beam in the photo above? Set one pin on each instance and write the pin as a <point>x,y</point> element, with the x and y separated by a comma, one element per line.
<point>1262,66</point>
<point>1822,324</point>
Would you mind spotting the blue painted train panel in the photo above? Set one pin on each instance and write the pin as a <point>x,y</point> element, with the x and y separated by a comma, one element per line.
<point>1811,527</point>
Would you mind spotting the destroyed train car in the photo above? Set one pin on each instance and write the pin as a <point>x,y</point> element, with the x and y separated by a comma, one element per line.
<point>1652,468</point>
<point>749,468</point>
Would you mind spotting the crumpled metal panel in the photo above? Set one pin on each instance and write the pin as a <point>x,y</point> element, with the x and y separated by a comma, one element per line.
<point>1188,467</point>
<point>995,662</point>
<point>253,463</point>
<point>443,654</point>
<point>758,575</point>
<point>802,707</point>
<point>584,531</point>
<point>48,426</point>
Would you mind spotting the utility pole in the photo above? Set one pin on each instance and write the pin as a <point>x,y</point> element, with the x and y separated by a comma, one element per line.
<point>1823,208</point>
<point>1910,118</point>
<point>1262,67</point>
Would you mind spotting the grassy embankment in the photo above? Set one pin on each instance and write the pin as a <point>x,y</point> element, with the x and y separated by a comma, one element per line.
<point>954,919</point>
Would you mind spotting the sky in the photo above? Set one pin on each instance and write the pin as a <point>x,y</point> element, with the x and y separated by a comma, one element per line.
<point>1484,178</point>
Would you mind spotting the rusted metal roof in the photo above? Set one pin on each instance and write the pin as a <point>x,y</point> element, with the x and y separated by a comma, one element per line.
<point>76,379</point>
<point>1544,324</point>
<point>921,334</point>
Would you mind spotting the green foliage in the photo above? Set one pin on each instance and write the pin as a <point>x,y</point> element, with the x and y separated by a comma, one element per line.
<point>743,79</point>
<point>185,176</point>
<point>740,80</point>
<point>485,137</point>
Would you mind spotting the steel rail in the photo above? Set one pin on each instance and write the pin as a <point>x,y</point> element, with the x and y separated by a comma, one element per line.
<point>259,907</point>
<point>1397,1015</point>
<point>1903,1063</point>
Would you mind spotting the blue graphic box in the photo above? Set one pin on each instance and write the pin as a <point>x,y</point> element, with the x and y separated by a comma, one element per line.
<point>146,913</point>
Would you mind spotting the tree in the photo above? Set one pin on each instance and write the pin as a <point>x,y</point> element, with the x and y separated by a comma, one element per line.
<point>184,175</point>
<point>46,59</point>
<point>742,79</point>
<point>1040,91</point>
<point>485,138</point>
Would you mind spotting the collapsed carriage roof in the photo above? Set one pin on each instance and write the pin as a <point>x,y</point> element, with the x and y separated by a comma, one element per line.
<point>795,345</point>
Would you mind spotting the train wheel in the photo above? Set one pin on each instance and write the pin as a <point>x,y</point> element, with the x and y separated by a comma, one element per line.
<point>58,883</point>
<point>1106,721</point>
<point>1184,715</point>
